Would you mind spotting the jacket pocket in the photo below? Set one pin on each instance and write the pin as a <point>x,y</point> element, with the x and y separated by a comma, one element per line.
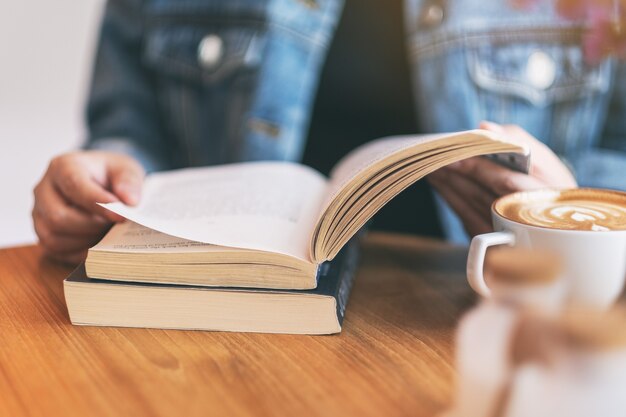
<point>205,55</point>
<point>205,76</point>
<point>542,74</point>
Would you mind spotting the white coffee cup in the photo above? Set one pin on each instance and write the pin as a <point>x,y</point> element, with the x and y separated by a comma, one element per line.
<point>594,261</point>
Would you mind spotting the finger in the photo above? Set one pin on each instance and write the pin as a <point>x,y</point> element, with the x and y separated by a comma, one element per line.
<point>58,244</point>
<point>496,178</point>
<point>492,126</point>
<point>69,259</point>
<point>514,133</point>
<point>126,177</point>
<point>78,188</point>
<point>545,164</point>
<point>51,208</point>
<point>473,220</point>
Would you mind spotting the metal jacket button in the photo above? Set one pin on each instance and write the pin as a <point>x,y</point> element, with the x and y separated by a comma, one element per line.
<point>432,15</point>
<point>540,70</point>
<point>210,51</point>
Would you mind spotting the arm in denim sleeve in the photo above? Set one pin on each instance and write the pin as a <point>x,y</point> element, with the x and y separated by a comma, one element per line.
<point>605,165</point>
<point>123,110</point>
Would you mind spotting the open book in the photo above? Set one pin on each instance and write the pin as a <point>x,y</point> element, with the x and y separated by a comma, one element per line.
<point>268,224</point>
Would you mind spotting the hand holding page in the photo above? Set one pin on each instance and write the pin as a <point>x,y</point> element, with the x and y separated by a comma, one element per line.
<point>260,205</point>
<point>371,175</point>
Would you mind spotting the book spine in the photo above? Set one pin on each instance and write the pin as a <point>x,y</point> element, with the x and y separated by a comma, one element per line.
<point>346,279</point>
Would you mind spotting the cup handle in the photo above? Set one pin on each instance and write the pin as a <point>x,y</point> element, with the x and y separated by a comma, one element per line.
<point>476,258</point>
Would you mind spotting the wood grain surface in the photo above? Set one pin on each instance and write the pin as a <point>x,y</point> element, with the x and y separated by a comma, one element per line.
<point>393,358</point>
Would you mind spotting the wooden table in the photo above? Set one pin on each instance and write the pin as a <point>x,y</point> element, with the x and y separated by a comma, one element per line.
<point>393,358</point>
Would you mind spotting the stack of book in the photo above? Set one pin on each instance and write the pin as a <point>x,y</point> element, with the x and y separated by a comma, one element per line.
<point>258,246</point>
<point>178,289</point>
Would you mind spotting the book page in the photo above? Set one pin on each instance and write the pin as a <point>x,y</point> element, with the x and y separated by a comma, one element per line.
<point>132,237</point>
<point>373,174</point>
<point>363,157</point>
<point>268,206</point>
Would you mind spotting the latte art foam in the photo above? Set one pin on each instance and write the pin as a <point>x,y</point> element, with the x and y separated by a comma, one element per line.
<point>580,215</point>
<point>578,209</point>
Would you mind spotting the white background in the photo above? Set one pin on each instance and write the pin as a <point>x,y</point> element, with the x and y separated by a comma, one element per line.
<point>46,52</point>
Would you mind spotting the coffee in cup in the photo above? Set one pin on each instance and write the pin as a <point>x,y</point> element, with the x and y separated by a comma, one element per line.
<point>585,227</point>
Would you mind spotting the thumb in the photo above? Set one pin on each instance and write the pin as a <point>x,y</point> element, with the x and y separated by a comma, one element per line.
<point>494,127</point>
<point>126,179</point>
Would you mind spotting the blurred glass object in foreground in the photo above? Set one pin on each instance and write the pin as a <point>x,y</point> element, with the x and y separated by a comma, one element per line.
<point>520,354</point>
<point>520,280</point>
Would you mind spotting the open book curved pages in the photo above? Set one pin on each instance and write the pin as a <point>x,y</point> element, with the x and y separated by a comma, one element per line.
<point>268,224</point>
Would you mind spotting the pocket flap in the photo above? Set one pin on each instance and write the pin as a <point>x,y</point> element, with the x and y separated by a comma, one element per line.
<point>206,55</point>
<point>541,74</point>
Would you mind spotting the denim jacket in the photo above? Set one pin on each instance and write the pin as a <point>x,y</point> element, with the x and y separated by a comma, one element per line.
<point>197,82</point>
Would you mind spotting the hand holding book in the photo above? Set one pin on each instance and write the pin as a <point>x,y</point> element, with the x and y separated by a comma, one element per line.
<point>280,216</point>
<point>471,186</point>
<point>65,215</point>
